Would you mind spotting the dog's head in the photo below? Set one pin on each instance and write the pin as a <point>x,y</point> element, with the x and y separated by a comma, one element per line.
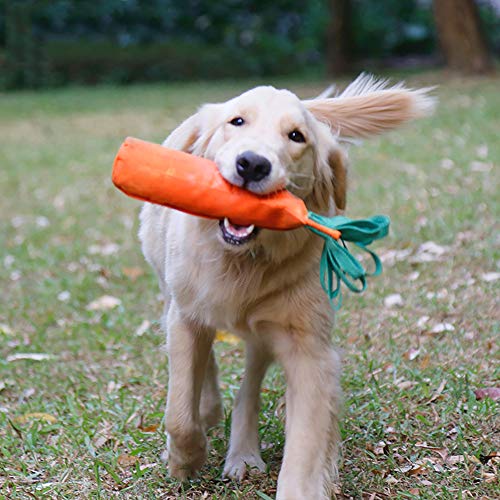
<point>267,139</point>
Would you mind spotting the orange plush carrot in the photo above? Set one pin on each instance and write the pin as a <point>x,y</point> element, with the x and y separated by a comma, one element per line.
<point>194,185</point>
<point>191,184</point>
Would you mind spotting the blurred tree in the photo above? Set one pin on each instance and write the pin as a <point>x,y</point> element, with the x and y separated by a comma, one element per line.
<point>22,58</point>
<point>460,36</point>
<point>339,37</point>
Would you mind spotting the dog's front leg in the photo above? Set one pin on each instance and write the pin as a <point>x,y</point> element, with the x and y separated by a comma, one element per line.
<point>244,452</point>
<point>312,371</point>
<point>189,348</point>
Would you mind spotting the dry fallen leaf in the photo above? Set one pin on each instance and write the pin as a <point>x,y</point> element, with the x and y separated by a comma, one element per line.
<point>422,321</point>
<point>390,257</point>
<point>143,328</point>
<point>480,166</point>
<point>447,163</point>
<point>428,252</point>
<point>488,392</point>
<point>393,300</point>
<point>455,459</point>
<point>105,249</point>
<point>103,303</point>
<point>495,456</point>
<point>381,448</point>
<point>442,327</point>
<point>22,419</point>
<point>222,336</point>
<point>439,390</point>
<point>490,276</point>
<point>133,272</point>
<point>64,296</point>
<point>148,466</point>
<point>33,356</point>
<point>411,354</point>
<point>425,362</point>
<point>6,329</point>
<point>148,428</point>
<point>126,460</point>
<point>482,151</point>
<point>406,384</point>
<point>101,440</point>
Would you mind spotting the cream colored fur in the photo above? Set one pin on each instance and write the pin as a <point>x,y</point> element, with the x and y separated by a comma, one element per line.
<point>266,291</point>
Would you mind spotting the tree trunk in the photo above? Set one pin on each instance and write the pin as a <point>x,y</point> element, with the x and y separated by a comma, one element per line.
<point>339,40</point>
<point>459,32</point>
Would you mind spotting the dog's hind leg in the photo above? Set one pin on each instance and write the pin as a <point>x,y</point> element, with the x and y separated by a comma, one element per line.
<point>211,402</point>
<point>244,452</point>
<point>189,346</point>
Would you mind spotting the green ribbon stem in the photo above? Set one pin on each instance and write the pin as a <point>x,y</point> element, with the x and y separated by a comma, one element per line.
<point>338,265</point>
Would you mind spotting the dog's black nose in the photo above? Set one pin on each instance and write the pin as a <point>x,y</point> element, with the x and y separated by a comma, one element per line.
<point>252,167</point>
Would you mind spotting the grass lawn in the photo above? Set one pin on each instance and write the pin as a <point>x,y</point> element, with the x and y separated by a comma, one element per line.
<point>83,418</point>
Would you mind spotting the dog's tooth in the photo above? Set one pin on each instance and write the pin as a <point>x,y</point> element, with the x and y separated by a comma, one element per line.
<point>242,232</point>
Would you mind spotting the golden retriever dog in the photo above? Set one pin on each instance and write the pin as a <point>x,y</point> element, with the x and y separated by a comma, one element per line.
<point>259,284</point>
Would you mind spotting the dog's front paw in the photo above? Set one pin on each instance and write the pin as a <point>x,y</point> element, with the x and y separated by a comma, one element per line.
<point>186,462</point>
<point>237,466</point>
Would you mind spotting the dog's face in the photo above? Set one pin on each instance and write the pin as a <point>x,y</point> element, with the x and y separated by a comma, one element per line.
<point>266,140</point>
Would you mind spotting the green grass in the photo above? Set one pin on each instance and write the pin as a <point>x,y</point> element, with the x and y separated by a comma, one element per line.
<point>105,386</point>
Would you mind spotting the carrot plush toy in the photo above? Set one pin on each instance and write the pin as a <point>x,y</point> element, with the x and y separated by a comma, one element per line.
<point>150,172</point>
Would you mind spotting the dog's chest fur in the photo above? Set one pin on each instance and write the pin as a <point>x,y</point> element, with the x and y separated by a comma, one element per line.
<point>224,289</point>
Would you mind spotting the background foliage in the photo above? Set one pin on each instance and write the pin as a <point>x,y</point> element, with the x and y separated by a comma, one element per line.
<point>61,41</point>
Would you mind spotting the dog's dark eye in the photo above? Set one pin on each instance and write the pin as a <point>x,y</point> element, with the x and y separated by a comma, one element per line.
<point>296,136</point>
<point>237,122</point>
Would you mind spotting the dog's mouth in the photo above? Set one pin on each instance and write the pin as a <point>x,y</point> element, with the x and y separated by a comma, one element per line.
<point>234,234</point>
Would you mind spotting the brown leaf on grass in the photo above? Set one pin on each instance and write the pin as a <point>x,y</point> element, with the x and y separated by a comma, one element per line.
<point>148,428</point>
<point>425,362</point>
<point>148,466</point>
<point>22,419</point>
<point>126,460</point>
<point>103,434</point>
<point>101,440</point>
<point>381,448</point>
<point>438,391</point>
<point>454,459</point>
<point>489,477</point>
<point>133,272</point>
<point>412,469</point>
<point>406,384</point>
<point>488,392</point>
<point>411,354</point>
<point>495,456</point>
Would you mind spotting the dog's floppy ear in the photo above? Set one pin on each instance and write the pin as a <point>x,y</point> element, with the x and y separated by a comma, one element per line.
<point>338,164</point>
<point>185,135</point>
<point>369,107</point>
<point>194,133</point>
<point>331,182</point>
